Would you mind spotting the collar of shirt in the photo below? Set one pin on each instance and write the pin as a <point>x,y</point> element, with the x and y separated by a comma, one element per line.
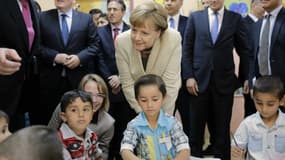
<point>176,20</point>
<point>142,121</point>
<point>68,13</point>
<point>120,28</point>
<point>220,12</point>
<point>220,17</point>
<point>280,121</point>
<point>275,12</point>
<point>68,133</point>
<point>20,4</point>
<point>253,17</point>
<point>68,18</point>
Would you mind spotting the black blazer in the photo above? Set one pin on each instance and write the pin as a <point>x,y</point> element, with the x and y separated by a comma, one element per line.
<point>106,57</point>
<point>83,41</point>
<point>13,34</point>
<point>202,59</point>
<point>107,61</point>
<point>277,48</point>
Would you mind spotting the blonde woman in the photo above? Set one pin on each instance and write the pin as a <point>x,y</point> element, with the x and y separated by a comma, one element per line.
<point>102,123</point>
<point>149,48</point>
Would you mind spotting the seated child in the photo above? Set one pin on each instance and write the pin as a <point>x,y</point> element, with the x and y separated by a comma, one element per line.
<point>4,126</point>
<point>262,134</point>
<point>79,141</point>
<point>153,134</point>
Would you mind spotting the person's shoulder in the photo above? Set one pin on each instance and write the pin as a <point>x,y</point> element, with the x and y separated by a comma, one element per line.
<point>168,120</point>
<point>81,13</point>
<point>48,12</point>
<point>281,118</point>
<point>104,31</point>
<point>139,120</point>
<point>251,120</point>
<point>124,37</point>
<point>171,34</point>
<point>183,18</point>
<point>233,14</point>
<point>107,118</point>
<point>198,13</point>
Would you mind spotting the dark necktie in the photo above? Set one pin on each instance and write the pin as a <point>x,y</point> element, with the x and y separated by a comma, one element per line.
<point>215,27</point>
<point>171,23</point>
<point>28,21</point>
<point>64,29</point>
<point>264,47</point>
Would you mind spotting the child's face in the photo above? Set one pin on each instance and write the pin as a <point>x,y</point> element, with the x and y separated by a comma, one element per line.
<point>78,116</point>
<point>267,105</point>
<point>92,88</point>
<point>150,99</point>
<point>4,131</point>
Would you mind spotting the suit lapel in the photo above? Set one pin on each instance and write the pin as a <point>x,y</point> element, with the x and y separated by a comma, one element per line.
<point>257,32</point>
<point>125,27</point>
<point>74,23</point>
<point>180,25</point>
<point>109,33</point>
<point>137,60</point>
<point>205,23</point>
<point>35,17</point>
<point>19,20</point>
<point>109,37</point>
<point>224,23</point>
<point>56,26</point>
<point>278,23</point>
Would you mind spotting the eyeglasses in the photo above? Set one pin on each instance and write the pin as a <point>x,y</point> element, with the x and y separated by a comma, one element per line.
<point>98,95</point>
<point>114,9</point>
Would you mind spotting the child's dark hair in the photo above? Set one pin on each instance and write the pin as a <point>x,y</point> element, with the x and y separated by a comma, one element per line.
<point>4,115</point>
<point>150,79</point>
<point>70,96</point>
<point>269,84</point>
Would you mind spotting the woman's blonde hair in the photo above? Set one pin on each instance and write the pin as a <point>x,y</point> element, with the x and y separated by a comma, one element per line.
<point>102,88</point>
<point>149,11</point>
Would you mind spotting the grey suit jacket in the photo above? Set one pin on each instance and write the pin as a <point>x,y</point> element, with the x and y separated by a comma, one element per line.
<point>164,60</point>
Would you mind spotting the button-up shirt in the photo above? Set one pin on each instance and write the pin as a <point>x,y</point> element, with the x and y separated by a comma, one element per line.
<point>261,142</point>
<point>162,143</point>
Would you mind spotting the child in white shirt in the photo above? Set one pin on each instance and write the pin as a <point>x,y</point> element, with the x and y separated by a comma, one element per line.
<point>262,135</point>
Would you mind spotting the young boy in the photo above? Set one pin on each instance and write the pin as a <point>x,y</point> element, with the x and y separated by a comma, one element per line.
<point>153,134</point>
<point>4,126</point>
<point>262,134</point>
<point>79,142</point>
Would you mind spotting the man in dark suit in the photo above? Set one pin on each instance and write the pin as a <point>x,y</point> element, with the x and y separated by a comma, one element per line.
<point>256,12</point>
<point>274,47</point>
<point>209,71</point>
<point>18,48</point>
<point>69,42</point>
<point>178,22</point>
<point>119,107</point>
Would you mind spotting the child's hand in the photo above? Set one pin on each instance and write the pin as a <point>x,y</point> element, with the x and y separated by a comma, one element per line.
<point>99,158</point>
<point>237,153</point>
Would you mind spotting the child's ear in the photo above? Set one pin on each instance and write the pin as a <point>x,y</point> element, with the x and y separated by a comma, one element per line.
<point>62,116</point>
